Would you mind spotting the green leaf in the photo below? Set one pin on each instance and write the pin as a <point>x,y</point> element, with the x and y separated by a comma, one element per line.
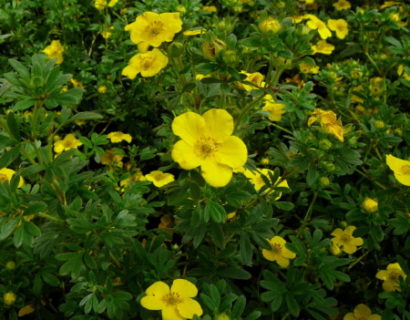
<point>239,307</point>
<point>9,156</point>
<point>86,116</point>
<point>245,249</point>
<point>13,126</point>
<point>24,104</point>
<point>215,211</point>
<point>284,205</point>
<point>234,272</point>
<point>7,227</point>
<point>293,306</point>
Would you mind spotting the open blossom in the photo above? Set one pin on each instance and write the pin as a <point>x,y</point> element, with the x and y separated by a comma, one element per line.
<point>159,178</point>
<point>305,67</point>
<point>256,178</point>
<point>152,29</point>
<point>256,80</point>
<point>322,47</point>
<point>102,4</point>
<point>6,174</point>
<point>391,277</point>
<point>274,109</point>
<point>339,26</point>
<point>278,252</point>
<point>269,24</point>
<point>315,23</point>
<point>175,303</point>
<point>118,136</point>
<point>112,158</point>
<point>342,5</point>
<point>328,121</point>
<point>148,64</point>
<point>69,142</point>
<point>361,312</point>
<point>401,169</point>
<point>55,51</point>
<point>343,240</point>
<point>207,142</point>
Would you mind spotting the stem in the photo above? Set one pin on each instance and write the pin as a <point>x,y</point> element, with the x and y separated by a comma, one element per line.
<point>49,217</point>
<point>281,128</point>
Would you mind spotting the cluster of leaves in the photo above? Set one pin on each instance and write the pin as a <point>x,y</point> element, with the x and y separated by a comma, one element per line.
<point>77,243</point>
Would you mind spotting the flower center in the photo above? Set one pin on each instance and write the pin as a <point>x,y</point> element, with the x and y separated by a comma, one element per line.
<point>155,28</point>
<point>146,63</point>
<point>276,248</point>
<point>345,238</point>
<point>206,147</point>
<point>405,170</point>
<point>172,299</point>
<point>394,276</point>
<point>3,178</point>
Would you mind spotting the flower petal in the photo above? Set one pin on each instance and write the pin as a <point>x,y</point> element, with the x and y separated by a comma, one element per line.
<point>215,174</point>
<point>269,255</point>
<point>189,126</point>
<point>277,240</point>
<point>184,288</point>
<point>189,307</point>
<point>349,316</point>
<point>282,262</point>
<point>396,163</point>
<point>362,311</point>
<point>382,275</point>
<point>219,123</point>
<point>152,303</point>
<point>403,178</point>
<point>158,288</point>
<point>232,152</point>
<point>286,253</point>
<point>171,313</point>
<point>184,154</point>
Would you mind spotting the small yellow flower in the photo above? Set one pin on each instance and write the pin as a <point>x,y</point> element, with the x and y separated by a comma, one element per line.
<point>207,142</point>
<point>400,168</point>
<point>305,67</point>
<point>152,28</point>
<point>102,4</point>
<point>55,51</point>
<point>222,316</point>
<point>201,76</point>
<point>339,26</point>
<point>231,215</point>
<point>256,78</point>
<point>6,174</point>
<point>118,136</point>
<point>376,85</point>
<point>76,84</point>
<point>402,72</point>
<point>10,265</point>
<point>159,178</point>
<point>175,303</point>
<point>138,176</point>
<point>269,24</point>
<point>274,109</point>
<point>209,9</point>
<point>26,310</point>
<point>278,252</point>
<point>370,205</point>
<point>69,142</point>
<point>361,312</point>
<point>9,298</point>
<point>391,277</point>
<point>315,23</point>
<point>265,161</point>
<point>256,178</point>
<point>102,89</point>
<point>112,158</point>
<point>148,64</point>
<point>106,33</point>
<point>388,4</point>
<point>322,47</point>
<point>342,5</point>
<point>343,240</point>
<point>196,32</point>
<point>328,121</point>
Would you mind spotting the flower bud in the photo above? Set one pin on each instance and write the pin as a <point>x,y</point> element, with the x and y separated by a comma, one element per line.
<point>211,49</point>
<point>9,298</point>
<point>222,316</point>
<point>325,144</point>
<point>10,265</point>
<point>324,181</point>
<point>370,205</point>
<point>230,57</point>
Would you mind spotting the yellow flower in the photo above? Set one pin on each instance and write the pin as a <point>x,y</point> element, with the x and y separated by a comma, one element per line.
<point>388,4</point>
<point>402,72</point>
<point>322,47</point>
<point>328,121</point>
<point>315,23</point>
<point>222,316</point>
<point>102,89</point>
<point>138,176</point>
<point>343,240</point>
<point>76,84</point>
<point>194,32</point>
<point>342,5</point>
<point>6,174</point>
<point>391,277</point>
<point>231,215</point>
<point>26,310</point>
<point>102,4</point>
<point>112,158</point>
<point>159,178</point>
<point>339,26</point>
<point>274,109</point>
<point>207,141</point>
<point>9,298</point>
<point>256,178</point>
<point>118,136</point>
<point>152,28</point>
<point>201,76</point>
<point>175,303</point>
<point>400,168</point>
<point>55,51</point>
<point>269,24</point>
<point>10,265</point>
<point>255,78</point>
<point>209,9</point>
<point>106,33</point>
<point>278,252</point>
<point>69,142</point>
<point>361,312</point>
<point>305,67</point>
<point>370,205</point>
<point>148,64</point>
